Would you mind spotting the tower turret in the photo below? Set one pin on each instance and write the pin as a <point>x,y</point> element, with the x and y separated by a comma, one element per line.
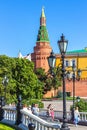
<point>42,33</point>
<point>42,49</point>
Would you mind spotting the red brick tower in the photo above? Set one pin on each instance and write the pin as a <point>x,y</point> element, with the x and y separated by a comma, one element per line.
<point>42,49</point>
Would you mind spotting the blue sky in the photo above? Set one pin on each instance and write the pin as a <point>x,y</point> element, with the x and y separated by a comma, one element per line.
<point>20,21</point>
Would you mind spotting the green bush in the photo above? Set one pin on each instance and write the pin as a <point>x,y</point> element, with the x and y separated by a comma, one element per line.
<point>82,105</point>
<point>34,101</point>
<point>60,94</point>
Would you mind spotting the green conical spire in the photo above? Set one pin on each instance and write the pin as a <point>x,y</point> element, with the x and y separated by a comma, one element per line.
<point>42,33</point>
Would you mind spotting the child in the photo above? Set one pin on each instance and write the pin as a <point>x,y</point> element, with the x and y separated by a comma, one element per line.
<point>52,114</point>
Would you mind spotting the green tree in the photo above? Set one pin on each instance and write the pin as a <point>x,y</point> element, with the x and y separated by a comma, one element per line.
<point>22,79</point>
<point>5,69</point>
<point>55,76</point>
<point>50,80</point>
<point>41,77</point>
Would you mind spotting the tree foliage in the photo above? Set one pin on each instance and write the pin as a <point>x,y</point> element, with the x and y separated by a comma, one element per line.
<point>52,79</point>
<point>22,80</point>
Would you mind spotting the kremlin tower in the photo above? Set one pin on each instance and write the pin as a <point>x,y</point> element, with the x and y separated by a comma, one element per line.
<point>42,49</point>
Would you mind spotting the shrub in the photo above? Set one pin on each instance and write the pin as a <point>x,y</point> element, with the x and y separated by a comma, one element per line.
<point>82,105</point>
<point>34,101</point>
<point>60,94</point>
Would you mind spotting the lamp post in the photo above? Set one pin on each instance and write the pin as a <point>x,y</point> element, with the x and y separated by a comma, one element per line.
<point>1,108</point>
<point>73,78</point>
<point>5,82</point>
<point>3,98</point>
<point>18,108</point>
<point>51,60</point>
<point>63,47</point>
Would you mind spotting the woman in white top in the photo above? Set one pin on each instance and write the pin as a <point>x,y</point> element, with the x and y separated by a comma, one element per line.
<point>35,110</point>
<point>76,116</point>
<point>27,109</point>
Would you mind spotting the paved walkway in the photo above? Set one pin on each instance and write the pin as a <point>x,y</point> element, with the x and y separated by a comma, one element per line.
<point>79,127</point>
<point>58,104</point>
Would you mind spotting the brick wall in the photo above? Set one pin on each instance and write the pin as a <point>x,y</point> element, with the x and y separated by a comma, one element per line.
<point>80,89</point>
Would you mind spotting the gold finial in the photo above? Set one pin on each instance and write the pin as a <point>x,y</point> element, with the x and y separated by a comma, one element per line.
<point>43,15</point>
<point>43,8</point>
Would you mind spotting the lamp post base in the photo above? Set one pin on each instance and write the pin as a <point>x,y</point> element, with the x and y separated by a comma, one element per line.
<point>64,127</point>
<point>72,114</point>
<point>1,113</point>
<point>19,114</point>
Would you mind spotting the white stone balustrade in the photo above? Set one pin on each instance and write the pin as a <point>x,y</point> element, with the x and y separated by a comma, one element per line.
<point>40,124</point>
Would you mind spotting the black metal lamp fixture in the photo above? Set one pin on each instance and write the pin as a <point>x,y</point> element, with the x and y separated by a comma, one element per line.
<point>74,77</point>
<point>77,99</point>
<point>5,81</point>
<point>51,61</point>
<point>62,43</point>
<point>79,72</point>
<point>2,99</point>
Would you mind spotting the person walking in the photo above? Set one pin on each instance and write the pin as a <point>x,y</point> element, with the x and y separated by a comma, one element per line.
<point>35,110</point>
<point>52,113</point>
<point>48,110</point>
<point>76,116</point>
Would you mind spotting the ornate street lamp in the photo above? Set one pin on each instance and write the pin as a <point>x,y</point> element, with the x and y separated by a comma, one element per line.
<point>2,98</point>
<point>5,83</point>
<point>78,99</point>
<point>51,61</point>
<point>74,77</point>
<point>63,47</point>
<point>62,43</point>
